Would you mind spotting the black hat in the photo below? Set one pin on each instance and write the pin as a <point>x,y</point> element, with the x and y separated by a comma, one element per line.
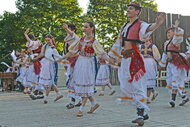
<point>134,4</point>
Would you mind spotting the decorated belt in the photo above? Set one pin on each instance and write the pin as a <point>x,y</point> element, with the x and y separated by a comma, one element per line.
<point>170,60</point>
<point>128,53</point>
<point>172,51</point>
<point>148,57</point>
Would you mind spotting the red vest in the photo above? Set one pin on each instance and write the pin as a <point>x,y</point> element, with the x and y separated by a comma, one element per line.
<point>172,47</point>
<point>132,33</point>
<point>38,50</point>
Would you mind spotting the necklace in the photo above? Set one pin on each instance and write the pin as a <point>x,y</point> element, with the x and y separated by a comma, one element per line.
<point>88,37</point>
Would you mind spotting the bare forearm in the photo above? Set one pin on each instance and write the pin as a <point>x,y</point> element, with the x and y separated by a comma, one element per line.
<point>26,36</point>
<point>152,27</point>
<point>69,54</point>
<point>69,31</point>
<point>19,62</point>
<point>74,55</point>
<point>159,20</point>
<point>106,57</point>
<point>38,57</point>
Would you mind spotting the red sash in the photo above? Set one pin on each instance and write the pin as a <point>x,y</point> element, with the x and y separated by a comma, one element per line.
<point>37,67</point>
<point>137,68</point>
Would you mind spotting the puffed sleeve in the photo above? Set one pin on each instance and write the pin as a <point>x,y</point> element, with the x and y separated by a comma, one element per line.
<point>156,53</point>
<point>98,48</point>
<point>142,33</point>
<point>73,36</point>
<point>43,50</point>
<point>74,47</point>
<point>163,60</point>
<point>56,54</point>
<point>115,51</point>
<point>29,44</point>
<point>76,37</point>
<point>178,37</point>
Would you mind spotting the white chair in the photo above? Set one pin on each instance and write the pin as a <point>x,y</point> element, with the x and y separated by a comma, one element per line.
<point>160,78</point>
<point>157,78</point>
<point>187,83</point>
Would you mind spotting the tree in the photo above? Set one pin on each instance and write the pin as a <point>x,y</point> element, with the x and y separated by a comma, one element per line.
<point>10,35</point>
<point>47,16</point>
<point>42,16</point>
<point>110,15</point>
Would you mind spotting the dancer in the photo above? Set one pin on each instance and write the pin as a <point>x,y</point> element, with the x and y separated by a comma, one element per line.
<point>132,69</point>
<point>47,73</point>
<point>84,69</point>
<point>34,47</point>
<point>69,39</point>
<point>151,58</point>
<point>22,70</point>
<point>103,76</point>
<point>177,65</point>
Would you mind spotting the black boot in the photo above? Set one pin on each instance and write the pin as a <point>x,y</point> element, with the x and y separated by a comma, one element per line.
<point>35,92</point>
<point>70,105</point>
<point>140,120</point>
<point>79,104</point>
<point>40,95</point>
<point>146,117</point>
<point>184,101</point>
<point>33,97</point>
<point>172,103</point>
<point>21,88</point>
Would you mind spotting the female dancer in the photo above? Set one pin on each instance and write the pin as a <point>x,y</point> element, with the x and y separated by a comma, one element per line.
<point>102,78</point>
<point>69,39</point>
<point>151,58</point>
<point>47,73</point>
<point>84,69</point>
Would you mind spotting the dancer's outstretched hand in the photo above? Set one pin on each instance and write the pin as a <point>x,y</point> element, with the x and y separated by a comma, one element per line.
<point>27,30</point>
<point>160,19</point>
<point>111,61</point>
<point>61,59</point>
<point>65,26</point>
<point>176,23</point>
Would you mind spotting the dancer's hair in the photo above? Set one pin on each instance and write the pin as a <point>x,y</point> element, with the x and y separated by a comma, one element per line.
<point>91,24</point>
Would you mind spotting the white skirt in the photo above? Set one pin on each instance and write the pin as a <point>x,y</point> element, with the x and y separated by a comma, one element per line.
<point>39,87</point>
<point>30,78</point>
<point>70,83</point>
<point>84,76</point>
<point>47,73</point>
<point>102,78</point>
<point>22,72</point>
<point>151,72</point>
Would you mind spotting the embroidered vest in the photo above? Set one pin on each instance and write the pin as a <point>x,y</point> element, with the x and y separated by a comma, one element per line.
<point>85,48</point>
<point>38,50</point>
<point>146,51</point>
<point>170,47</point>
<point>132,33</point>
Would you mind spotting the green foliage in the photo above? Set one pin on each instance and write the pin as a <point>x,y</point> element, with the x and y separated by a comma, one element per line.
<point>47,16</point>
<point>109,15</point>
<point>42,16</point>
<point>10,35</point>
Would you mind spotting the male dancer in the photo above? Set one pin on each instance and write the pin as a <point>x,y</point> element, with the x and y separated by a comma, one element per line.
<point>132,69</point>
<point>177,64</point>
